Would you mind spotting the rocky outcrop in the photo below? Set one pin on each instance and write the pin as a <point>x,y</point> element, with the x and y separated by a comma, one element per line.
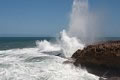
<point>100,58</point>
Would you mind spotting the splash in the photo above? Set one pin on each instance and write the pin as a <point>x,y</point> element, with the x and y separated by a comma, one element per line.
<point>82,22</point>
<point>79,19</point>
<point>70,44</point>
<point>66,44</point>
<point>45,46</point>
<point>35,64</point>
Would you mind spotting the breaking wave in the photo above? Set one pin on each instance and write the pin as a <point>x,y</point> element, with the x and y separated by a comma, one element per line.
<point>44,62</point>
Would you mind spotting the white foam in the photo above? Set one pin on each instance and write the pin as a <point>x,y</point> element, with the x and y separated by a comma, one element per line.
<point>68,45</point>
<point>20,66</point>
<point>32,64</point>
<point>47,46</point>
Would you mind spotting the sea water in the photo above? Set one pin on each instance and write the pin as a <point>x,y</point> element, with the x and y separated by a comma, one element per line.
<point>42,61</point>
<point>44,58</point>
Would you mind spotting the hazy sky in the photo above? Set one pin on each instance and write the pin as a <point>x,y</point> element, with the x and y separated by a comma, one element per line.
<point>49,17</point>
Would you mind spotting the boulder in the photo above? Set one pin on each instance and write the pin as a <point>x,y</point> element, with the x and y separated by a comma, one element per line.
<point>100,58</point>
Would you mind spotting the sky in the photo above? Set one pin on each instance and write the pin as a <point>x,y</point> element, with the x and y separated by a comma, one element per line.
<point>38,18</point>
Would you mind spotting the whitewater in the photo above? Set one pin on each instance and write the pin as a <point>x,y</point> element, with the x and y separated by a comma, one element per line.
<point>43,62</point>
<point>47,60</point>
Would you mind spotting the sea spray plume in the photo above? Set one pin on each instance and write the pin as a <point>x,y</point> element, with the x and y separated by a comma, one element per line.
<point>47,46</point>
<point>82,22</point>
<point>69,44</point>
<point>79,18</point>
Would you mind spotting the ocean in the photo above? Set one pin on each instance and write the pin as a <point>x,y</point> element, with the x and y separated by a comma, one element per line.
<point>44,58</point>
<point>30,42</point>
<point>40,58</point>
<point>20,42</point>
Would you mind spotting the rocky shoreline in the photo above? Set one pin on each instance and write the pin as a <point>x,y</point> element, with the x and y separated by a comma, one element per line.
<point>102,59</point>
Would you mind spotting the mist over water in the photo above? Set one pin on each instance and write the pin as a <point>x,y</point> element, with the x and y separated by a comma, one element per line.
<point>79,18</point>
<point>82,22</point>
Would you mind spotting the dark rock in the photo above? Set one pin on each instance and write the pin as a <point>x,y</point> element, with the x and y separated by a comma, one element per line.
<point>112,78</point>
<point>100,58</point>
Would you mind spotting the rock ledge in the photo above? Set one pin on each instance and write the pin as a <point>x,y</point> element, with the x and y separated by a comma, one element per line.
<point>100,58</point>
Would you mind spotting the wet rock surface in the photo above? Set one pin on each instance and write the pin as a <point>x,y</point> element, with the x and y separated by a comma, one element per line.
<point>102,59</point>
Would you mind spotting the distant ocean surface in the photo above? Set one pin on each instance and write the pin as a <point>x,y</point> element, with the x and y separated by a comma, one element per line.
<point>30,42</point>
<point>21,42</point>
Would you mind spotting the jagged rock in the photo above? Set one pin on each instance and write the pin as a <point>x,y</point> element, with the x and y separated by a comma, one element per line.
<point>100,58</point>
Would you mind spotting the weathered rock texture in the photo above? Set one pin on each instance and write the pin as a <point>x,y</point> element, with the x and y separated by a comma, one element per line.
<point>100,58</point>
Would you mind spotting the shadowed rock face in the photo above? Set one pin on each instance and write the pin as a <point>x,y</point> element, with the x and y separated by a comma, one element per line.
<point>100,58</point>
<point>112,78</point>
